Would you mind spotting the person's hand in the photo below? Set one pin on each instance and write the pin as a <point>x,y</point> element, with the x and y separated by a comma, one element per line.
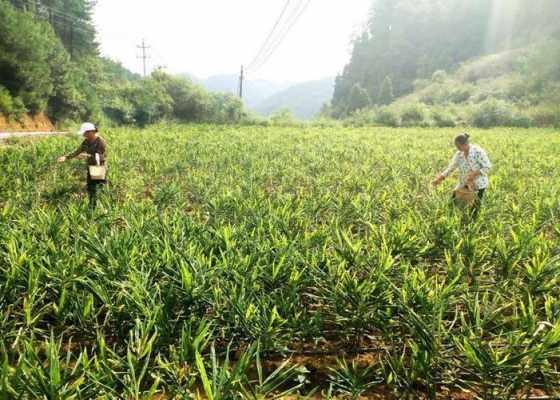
<point>438,180</point>
<point>61,159</point>
<point>471,178</point>
<point>83,156</point>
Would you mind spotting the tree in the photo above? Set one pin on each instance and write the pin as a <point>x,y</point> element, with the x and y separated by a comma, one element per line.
<point>386,91</point>
<point>359,98</point>
<point>150,101</point>
<point>31,58</point>
<point>410,39</point>
<point>71,20</point>
<point>38,73</point>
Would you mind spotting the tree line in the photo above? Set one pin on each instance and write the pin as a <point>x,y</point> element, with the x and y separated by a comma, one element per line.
<point>50,63</point>
<point>408,40</point>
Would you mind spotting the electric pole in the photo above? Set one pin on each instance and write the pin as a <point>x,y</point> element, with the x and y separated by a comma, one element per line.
<point>71,39</point>
<point>241,77</point>
<point>144,56</point>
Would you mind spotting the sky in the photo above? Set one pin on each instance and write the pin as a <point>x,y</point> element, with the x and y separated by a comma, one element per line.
<point>213,37</point>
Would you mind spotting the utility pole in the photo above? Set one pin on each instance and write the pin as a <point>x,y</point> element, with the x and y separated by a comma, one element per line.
<point>71,39</point>
<point>144,56</point>
<point>241,78</point>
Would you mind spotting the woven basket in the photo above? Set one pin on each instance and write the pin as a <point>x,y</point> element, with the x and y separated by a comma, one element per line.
<point>465,197</point>
<point>97,172</point>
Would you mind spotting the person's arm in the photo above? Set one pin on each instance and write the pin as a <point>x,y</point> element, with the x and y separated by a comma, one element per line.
<point>445,173</point>
<point>73,154</point>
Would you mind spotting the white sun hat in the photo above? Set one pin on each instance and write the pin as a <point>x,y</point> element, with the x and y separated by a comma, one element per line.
<point>86,127</point>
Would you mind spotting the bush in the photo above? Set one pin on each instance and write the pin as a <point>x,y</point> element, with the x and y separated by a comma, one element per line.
<point>363,117</point>
<point>6,102</point>
<point>492,113</point>
<point>433,94</point>
<point>326,122</point>
<point>439,76</point>
<point>413,115</point>
<point>387,117</point>
<point>545,115</point>
<point>460,95</point>
<point>521,121</point>
<point>283,117</point>
<point>443,119</point>
<point>11,107</point>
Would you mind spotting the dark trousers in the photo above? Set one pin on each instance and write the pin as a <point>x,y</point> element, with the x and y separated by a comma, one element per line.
<point>92,186</point>
<point>477,202</point>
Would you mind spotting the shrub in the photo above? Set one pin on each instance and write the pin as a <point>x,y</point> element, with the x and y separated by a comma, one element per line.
<point>6,102</point>
<point>545,115</point>
<point>413,115</point>
<point>283,117</point>
<point>11,107</point>
<point>491,113</point>
<point>439,76</point>
<point>521,121</point>
<point>387,117</point>
<point>363,117</point>
<point>460,95</point>
<point>443,119</point>
<point>433,94</point>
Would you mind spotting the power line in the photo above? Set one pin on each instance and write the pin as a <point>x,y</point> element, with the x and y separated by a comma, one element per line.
<point>265,43</point>
<point>296,15</point>
<point>273,39</point>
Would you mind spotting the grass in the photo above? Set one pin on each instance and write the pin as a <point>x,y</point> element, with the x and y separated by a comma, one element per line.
<point>242,262</point>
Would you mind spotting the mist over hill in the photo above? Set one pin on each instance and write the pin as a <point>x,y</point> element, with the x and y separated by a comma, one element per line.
<point>304,100</point>
<point>254,91</point>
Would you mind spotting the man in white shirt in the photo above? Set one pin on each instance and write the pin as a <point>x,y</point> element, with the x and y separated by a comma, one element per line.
<point>473,164</point>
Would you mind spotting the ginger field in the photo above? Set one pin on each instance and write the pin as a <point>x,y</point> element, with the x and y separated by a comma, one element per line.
<point>262,262</point>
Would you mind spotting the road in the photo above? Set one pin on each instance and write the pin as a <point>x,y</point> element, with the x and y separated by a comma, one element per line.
<point>8,135</point>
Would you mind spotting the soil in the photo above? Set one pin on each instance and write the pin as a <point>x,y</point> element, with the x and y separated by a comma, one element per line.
<point>29,123</point>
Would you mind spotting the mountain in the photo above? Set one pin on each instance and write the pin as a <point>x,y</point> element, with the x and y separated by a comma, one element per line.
<point>515,88</point>
<point>304,100</point>
<point>254,91</point>
<point>408,40</point>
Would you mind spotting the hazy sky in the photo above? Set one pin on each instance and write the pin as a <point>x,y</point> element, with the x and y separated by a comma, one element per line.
<point>209,37</point>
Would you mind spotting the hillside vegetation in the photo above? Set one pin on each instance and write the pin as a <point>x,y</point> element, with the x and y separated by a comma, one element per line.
<point>513,88</point>
<point>49,66</point>
<point>482,62</point>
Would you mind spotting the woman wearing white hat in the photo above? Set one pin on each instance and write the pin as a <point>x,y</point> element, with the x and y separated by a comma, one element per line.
<point>93,150</point>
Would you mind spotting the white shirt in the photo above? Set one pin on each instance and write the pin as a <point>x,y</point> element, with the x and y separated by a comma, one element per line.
<point>477,160</point>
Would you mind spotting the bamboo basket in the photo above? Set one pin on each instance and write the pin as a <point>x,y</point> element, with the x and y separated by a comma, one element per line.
<point>465,197</point>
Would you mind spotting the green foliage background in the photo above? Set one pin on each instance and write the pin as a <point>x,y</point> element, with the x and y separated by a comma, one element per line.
<point>409,48</point>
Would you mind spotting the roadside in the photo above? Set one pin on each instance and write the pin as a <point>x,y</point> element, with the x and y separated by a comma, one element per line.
<point>27,123</point>
<point>11,135</point>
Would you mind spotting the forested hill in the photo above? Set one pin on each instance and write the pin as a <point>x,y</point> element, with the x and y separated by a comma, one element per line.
<point>303,100</point>
<point>408,40</point>
<point>50,64</point>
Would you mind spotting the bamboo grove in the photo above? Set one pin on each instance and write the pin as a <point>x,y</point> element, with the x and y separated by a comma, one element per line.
<point>265,262</point>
